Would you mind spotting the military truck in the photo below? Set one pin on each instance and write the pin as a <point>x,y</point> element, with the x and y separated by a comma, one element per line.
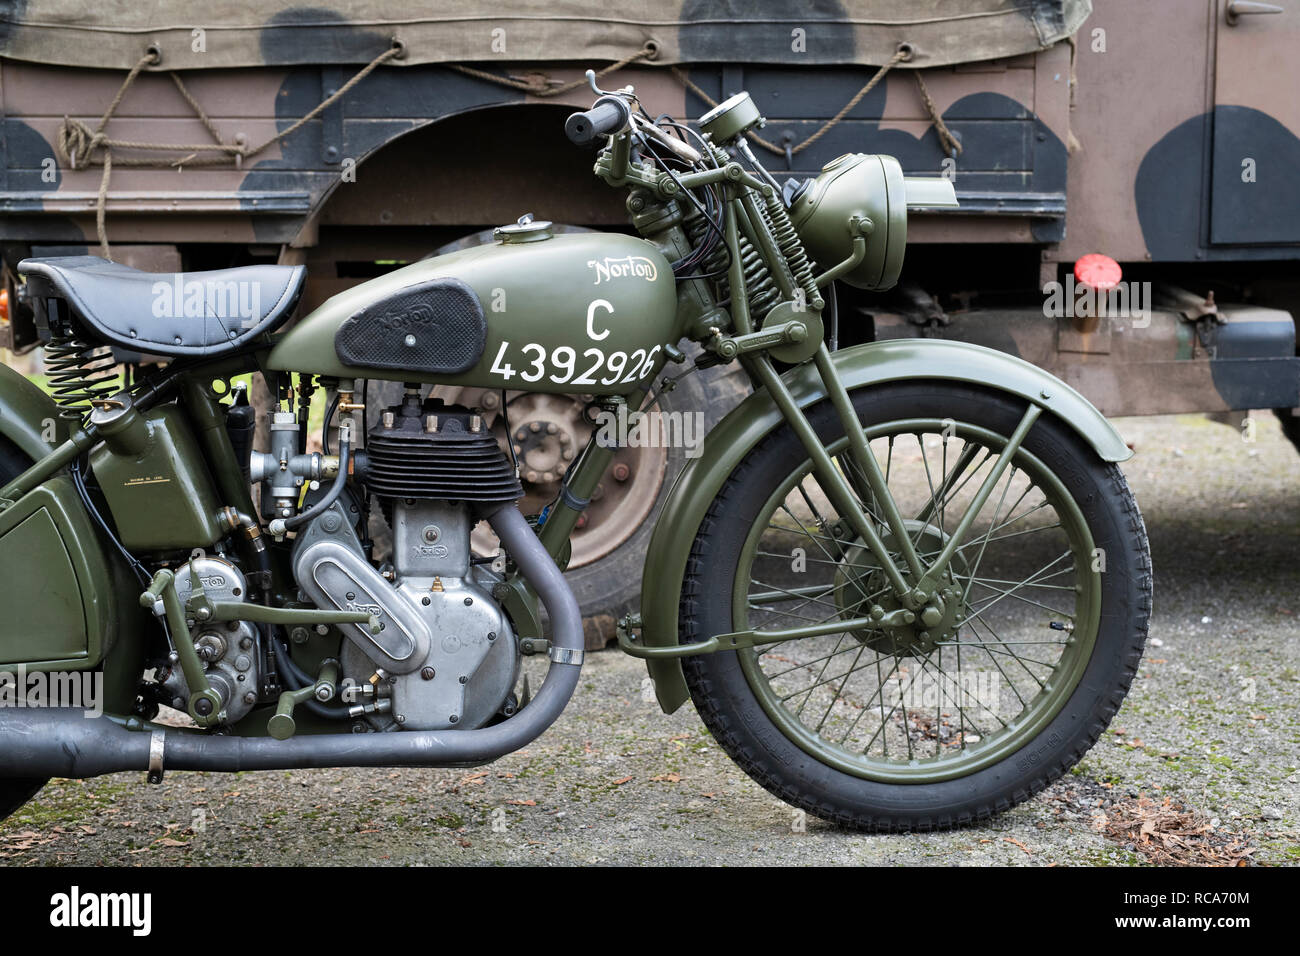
<point>1129,206</point>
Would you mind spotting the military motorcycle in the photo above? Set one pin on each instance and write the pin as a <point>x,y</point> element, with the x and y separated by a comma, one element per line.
<point>904,584</point>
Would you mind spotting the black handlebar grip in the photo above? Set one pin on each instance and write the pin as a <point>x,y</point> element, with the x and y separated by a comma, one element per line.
<point>609,115</point>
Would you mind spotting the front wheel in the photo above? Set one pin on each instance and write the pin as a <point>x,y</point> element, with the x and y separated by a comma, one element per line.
<point>920,726</point>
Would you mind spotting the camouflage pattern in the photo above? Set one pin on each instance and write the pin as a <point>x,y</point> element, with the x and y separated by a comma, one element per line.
<point>1157,134</point>
<point>113,34</point>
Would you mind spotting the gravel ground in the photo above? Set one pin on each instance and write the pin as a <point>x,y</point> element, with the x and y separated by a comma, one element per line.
<point>1211,724</point>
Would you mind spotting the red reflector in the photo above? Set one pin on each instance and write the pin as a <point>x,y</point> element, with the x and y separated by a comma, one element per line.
<point>1098,271</point>
<point>4,305</point>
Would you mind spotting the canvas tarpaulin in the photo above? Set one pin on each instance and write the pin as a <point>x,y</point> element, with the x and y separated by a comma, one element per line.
<point>208,34</point>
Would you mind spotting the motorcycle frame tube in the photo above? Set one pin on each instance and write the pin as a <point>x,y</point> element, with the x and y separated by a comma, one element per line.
<point>828,476</point>
<point>62,742</point>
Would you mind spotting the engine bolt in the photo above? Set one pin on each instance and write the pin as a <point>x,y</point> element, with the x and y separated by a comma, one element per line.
<point>622,472</point>
<point>250,698</point>
<point>428,673</point>
<point>475,423</point>
<point>531,476</point>
<point>534,427</point>
<point>468,601</point>
<point>464,679</point>
<point>492,635</point>
<point>490,400</point>
<point>431,424</point>
<point>521,434</point>
<point>400,718</point>
<point>299,635</point>
<point>454,718</point>
<point>322,629</point>
<point>351,596</point>
<point>388,419</point>
<point>551,428</point>
<point>425,601</point>
<point>431,534</point>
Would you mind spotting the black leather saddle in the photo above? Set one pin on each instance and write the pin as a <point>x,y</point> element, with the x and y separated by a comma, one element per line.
<point>163,313</point>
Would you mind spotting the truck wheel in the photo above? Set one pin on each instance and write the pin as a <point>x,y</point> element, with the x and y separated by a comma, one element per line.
<point>608,546</point>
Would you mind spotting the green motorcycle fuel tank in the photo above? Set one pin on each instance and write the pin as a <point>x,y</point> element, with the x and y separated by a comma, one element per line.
<point>578,312</point>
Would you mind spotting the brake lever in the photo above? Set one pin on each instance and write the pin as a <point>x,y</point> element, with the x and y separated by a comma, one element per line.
<point>591,81</point>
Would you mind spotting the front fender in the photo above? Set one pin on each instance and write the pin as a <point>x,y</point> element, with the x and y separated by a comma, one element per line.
<point>747,424</point>
<point>28,417</point>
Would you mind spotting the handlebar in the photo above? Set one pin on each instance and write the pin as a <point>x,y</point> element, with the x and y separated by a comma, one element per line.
<point>610,115</point>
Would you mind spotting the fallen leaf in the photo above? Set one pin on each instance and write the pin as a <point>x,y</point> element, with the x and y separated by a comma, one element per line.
<point>1015,842</point>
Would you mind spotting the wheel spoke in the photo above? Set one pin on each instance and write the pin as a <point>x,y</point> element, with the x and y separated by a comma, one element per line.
<point>989,673</point>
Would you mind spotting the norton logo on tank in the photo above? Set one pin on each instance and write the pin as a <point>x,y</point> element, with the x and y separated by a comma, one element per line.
<point>628,267</point>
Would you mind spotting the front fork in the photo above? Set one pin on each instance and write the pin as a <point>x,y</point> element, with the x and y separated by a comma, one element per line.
<point>922,597</point>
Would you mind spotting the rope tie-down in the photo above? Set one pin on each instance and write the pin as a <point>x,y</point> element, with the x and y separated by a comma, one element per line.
<point>951,146</point>
<point>79,146</point>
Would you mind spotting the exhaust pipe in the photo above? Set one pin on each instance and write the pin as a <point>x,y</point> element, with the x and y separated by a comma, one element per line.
<point>62,742</point>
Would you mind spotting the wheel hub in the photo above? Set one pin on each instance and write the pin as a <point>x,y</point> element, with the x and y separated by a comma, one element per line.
<point>905,630</point>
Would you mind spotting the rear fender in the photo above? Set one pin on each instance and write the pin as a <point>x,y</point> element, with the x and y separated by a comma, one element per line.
<point>28,417</point>
<point>751,421</point>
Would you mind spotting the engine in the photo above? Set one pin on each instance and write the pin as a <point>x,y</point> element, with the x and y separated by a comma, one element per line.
<point>445,655</point>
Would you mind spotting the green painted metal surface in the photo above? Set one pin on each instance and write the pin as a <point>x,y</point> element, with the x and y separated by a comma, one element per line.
<point>584,312</point>
<point>163,497</point>
<point>57,588</point>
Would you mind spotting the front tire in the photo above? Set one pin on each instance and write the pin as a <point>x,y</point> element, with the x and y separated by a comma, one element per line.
<point>1087,636</point>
